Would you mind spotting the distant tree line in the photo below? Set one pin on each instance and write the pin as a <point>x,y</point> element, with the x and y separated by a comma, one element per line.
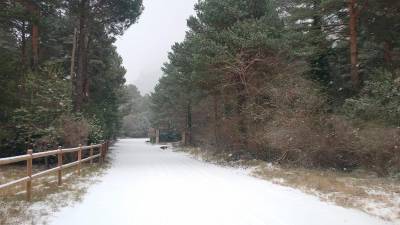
<point>61,79</point>
<point>311,83</point>
<point>136,112</point>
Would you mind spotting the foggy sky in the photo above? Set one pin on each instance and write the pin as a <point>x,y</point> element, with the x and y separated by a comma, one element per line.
<point>145,45</point>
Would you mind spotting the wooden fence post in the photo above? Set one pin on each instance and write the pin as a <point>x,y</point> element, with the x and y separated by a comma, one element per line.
<point>105,154</point>
<point>91,153</point>
<point>29,174</point>
<point>79,159</point>
<point>101,153</point>
<point>183,140</point>
<point>28,179</point>
<point>105,151</point>
<point>157,136</point>
<point>59,164</point>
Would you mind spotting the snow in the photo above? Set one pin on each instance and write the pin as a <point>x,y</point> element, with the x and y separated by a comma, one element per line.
<point>150,186</point>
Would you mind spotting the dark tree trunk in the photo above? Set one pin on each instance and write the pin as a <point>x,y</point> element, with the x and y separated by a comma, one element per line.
<point>240,107</point>
<point>317,17</point>
<point>388,48</point>
<point>81,80</point>
<point>23,44</point>
<point>188,132</point>
<point>73,54</point>
<point>354,73</point>
<point>35,46</point>
<point>319,63</point>
<point>216,119</point>
<point>34,12</point>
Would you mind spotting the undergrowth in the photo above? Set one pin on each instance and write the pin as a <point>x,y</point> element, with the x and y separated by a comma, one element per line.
<point>359,189</point>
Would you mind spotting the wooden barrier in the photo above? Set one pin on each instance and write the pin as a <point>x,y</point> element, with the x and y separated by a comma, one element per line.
<point>103,149</point>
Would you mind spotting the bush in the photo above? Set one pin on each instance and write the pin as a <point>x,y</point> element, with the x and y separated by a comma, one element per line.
<point>333,142</point>
<point>44,97</point>
<point>44,119</point>
<point>379,100</point>
<point>73,131</point>
<point>96,132</point>
<point>293,127</point>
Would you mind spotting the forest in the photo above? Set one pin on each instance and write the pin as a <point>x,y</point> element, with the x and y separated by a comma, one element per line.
<point>309,83</point>
<point>263,109</point>
<point>136,113</point>
<point>61,79</point>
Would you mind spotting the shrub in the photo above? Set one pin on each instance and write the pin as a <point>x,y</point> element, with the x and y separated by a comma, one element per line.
<point>73,131</point>
<point>96,132</point>
<point>379,100</point>
<point>290,125</point>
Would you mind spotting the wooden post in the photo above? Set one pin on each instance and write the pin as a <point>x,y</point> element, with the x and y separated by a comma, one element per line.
<point>91,153</point>
<point>29,174</point>
<point>157,136</point>
<point>105,151</point>
<point>79,160</point>
<point>183,140</point>
<point>101,153</point>
<point>108,148</point>
<point>59,164</point>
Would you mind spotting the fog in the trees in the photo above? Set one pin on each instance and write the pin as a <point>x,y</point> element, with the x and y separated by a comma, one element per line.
<point>144,50</point>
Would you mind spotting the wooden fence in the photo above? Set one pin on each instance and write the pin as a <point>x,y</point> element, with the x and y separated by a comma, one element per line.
<point>103,149</point>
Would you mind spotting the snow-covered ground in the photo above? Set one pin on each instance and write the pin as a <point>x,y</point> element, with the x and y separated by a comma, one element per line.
<point>150,186</point>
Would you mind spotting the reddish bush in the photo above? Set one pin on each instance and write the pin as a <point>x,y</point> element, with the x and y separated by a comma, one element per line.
<point>74,131</point>
<point>290,126</point>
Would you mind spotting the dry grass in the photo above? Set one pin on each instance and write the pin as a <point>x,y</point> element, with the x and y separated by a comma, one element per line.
<point>47,197</point>
<point>367,192</point>
<point>374,195</point>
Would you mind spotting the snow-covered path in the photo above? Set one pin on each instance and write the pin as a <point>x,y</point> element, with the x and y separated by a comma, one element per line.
<point>150,186</point>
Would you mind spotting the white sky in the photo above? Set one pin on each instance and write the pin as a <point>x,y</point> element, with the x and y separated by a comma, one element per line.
<point>145,45</point>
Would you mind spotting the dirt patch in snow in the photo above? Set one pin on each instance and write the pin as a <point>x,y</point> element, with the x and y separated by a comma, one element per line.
<point>361,190</point>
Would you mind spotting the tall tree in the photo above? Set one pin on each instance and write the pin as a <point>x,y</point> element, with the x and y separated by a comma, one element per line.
<point>353,22</point>
<point>33,9</point>
<point>36,104</point>
<point>113,16</point>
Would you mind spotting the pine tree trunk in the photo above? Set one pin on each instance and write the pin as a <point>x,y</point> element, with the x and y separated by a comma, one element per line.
<point>73,53</point>
<point>241,104</point>
<point>183,140</point>
<point>216,119</point>
<point>33,10</point>
<point>355,77</point>
<point>81,78</point>
<point>35,46</point>
<point>388,48</point>
<point>23,44</point>
<point>188,138</point>
<point>317,17</point>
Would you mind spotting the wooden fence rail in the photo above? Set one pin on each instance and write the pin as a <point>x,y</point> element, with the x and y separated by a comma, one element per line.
<point>103,149</point>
